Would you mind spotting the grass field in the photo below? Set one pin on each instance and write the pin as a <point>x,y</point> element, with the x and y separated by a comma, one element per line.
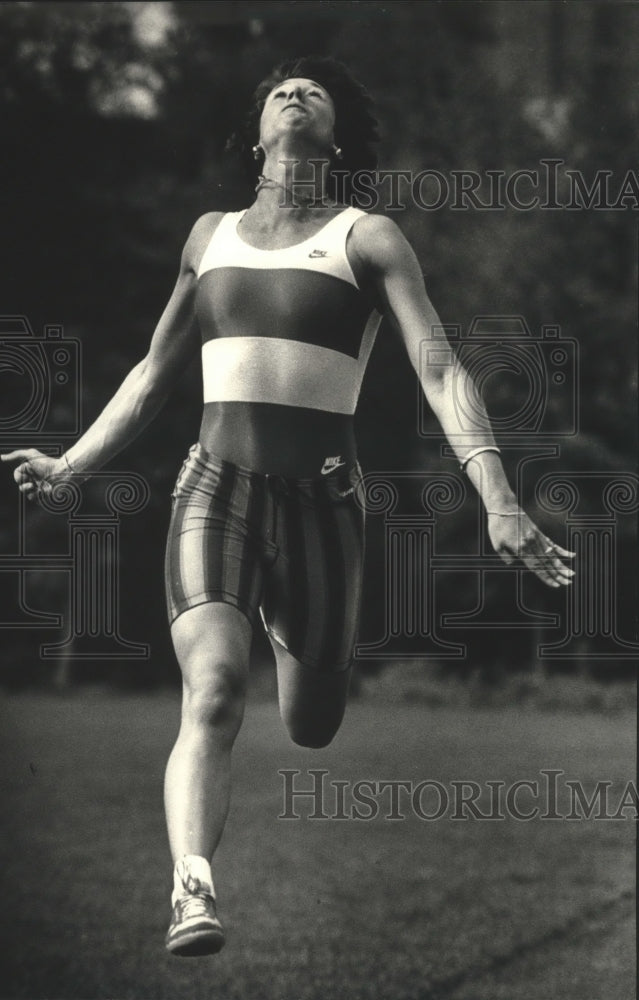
<point>314,909</point>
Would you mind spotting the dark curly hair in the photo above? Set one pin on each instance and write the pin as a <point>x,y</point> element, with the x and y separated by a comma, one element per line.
<point>355,124</point>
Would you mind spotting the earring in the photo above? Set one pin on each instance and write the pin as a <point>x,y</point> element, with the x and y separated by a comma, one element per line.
<point>337,153</point>
<point>257,152</point>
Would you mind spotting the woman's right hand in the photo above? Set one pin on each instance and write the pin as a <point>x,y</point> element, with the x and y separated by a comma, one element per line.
<point>37,473</point>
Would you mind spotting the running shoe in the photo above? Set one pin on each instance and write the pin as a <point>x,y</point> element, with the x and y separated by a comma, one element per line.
<point>194,928</point>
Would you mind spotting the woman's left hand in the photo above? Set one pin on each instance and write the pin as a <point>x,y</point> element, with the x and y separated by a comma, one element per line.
<point>514,536</point>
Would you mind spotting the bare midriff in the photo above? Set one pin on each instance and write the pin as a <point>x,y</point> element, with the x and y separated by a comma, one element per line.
<point>291,441</point>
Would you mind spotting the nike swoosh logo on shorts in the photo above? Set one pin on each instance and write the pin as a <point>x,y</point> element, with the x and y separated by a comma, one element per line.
<point>332,463</point>
<point>318,253</point>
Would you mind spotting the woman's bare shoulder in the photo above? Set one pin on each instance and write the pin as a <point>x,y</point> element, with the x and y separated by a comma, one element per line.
<point>199,238</point>
<point>376,238</point>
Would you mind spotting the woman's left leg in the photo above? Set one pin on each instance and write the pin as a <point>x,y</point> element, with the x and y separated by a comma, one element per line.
<point>311,603</point>
<point>312,702</point>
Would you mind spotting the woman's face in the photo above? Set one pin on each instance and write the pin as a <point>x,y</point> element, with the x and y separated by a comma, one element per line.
<point>298,107</point>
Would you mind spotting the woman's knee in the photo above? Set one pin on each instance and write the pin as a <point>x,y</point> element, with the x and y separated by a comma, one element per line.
<point>312,701</point>
<point>212,643</point>
<point>312,729</point>
<point>311,738</point>
<point>213,696</point>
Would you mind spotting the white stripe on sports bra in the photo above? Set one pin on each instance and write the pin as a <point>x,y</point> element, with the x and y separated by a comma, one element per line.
<point>288,372</point>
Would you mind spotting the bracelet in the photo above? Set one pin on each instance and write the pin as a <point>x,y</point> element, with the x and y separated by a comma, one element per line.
<point>477,451</point>
<point>506,513</point>
<point>69,466</point>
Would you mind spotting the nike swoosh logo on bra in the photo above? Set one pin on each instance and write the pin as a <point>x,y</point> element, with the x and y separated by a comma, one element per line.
<point>318,253</point>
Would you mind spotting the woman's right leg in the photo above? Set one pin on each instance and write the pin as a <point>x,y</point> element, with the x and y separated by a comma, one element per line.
<point>212,642</point>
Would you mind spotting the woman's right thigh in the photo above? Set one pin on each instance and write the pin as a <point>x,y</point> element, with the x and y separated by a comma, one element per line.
<point>213,565</point>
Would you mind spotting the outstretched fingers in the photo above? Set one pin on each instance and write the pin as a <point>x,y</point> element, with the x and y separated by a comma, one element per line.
<point>29,476</point>
<point>544,558</point>
<point>19,455</point>
<point>557,548</point>
<point>23,474</point>
<point>27,484</point>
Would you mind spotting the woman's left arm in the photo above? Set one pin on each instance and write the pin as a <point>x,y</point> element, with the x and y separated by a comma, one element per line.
<point>385,255</point>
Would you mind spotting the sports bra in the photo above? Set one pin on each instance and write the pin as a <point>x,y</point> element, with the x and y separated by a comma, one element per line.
<point>287,326</point>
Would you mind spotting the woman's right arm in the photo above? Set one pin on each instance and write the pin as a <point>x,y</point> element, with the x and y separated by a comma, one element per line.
<point>175,341</point>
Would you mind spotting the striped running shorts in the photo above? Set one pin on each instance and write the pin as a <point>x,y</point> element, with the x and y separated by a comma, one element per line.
<point>291,550</point>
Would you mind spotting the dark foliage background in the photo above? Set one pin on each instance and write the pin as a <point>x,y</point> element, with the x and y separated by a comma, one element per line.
<point>114,119</point>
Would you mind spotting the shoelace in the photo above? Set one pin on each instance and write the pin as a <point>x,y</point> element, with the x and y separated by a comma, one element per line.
<point>195,905</point>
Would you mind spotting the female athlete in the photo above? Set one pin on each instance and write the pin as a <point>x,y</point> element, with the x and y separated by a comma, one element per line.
<point>283,300</point>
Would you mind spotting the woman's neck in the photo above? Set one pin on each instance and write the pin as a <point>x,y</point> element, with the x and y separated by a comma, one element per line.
<point>291,180</point>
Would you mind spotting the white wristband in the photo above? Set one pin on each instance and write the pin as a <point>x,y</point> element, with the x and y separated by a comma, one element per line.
<point>477,451</point>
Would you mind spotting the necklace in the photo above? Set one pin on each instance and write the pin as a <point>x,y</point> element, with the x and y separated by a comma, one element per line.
<point>268,182</point>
